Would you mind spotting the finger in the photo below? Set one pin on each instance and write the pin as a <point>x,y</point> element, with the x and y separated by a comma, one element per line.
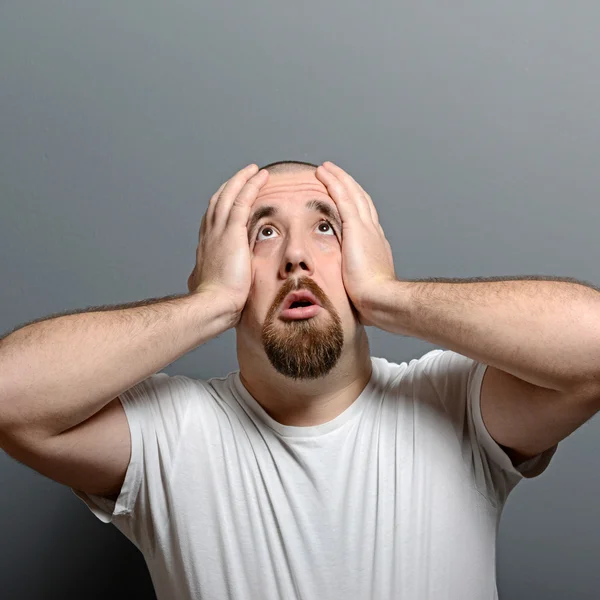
<point>229,193</point>
<point>355,192</point>
<point>371,204</point>
<point>239,207</point>
<point>346,207</point>
<point>368,201</point>
<point>202,227</point>
<point>210,211</point>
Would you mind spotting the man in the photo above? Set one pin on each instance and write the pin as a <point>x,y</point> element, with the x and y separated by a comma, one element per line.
<point>316,470</point>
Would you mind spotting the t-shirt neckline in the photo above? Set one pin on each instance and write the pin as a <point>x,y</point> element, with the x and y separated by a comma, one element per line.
<point>311,430</point>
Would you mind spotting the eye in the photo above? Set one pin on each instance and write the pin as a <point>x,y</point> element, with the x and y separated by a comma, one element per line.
<point>264,228</point>
<point>269,230</point>
<point>328,225</point>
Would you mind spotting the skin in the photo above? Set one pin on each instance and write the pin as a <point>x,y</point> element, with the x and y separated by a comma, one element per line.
<point>284,249</point>
<point>358,283</point>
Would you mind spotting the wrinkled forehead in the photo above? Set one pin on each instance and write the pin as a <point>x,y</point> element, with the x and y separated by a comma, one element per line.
<point>290,185</point>
<point>296,191</point>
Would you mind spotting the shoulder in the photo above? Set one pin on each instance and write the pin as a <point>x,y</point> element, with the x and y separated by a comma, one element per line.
<point>430,365</point>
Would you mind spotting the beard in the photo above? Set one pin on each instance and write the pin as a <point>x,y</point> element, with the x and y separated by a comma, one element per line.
<point>303,348</point>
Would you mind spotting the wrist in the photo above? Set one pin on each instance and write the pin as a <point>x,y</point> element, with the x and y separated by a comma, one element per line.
<point>389,307</point>
<point>221,309</point>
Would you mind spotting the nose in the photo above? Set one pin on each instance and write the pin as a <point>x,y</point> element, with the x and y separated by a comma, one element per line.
<point>296,260</point>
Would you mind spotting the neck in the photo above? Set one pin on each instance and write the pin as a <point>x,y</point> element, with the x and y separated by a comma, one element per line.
<point>305,403</point>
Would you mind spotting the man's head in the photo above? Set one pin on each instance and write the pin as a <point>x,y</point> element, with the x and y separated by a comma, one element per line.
<point>292,247</point>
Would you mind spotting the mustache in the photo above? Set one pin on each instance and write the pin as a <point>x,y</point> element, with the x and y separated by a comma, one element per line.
<point>301,283</point>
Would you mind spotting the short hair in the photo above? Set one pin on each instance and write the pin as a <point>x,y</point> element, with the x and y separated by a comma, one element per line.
<point>289,166</point>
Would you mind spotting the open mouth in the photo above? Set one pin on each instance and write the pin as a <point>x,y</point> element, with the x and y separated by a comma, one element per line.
<point>300,305</point>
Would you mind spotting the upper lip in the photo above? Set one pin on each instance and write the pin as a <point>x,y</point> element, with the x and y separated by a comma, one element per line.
<point>299,296</point>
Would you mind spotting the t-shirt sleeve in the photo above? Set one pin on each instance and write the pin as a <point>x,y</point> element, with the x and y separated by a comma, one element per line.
<point>156,411</point>
<point>457,380</point>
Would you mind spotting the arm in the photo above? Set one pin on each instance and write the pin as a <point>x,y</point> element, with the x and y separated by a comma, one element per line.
<point>57,373</point>
<point>540,338</point>
<point>60,380</point>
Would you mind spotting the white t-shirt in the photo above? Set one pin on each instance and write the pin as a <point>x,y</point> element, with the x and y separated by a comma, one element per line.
<point>400,496</point>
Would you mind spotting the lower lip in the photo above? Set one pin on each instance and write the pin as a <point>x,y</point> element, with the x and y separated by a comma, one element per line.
<point>302,312</point>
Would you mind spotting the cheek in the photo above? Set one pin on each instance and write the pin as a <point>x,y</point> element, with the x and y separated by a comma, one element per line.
<point>264,252</point>
<point>260,267</point>
<point>254,314</point>
<point>329,245</point>
<point>262,292</point>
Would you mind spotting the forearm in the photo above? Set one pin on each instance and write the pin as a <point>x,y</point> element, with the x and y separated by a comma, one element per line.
<point>59,372</point>
<point>546,332</point>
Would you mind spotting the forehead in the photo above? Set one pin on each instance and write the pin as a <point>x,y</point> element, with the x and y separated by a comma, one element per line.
<point>291,187</point>
<point>286,184</point>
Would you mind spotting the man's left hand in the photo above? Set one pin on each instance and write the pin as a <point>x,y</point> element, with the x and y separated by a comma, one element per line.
<point>367,261</point>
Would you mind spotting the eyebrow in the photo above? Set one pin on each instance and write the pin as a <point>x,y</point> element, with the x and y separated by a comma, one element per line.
<point>316,205</point>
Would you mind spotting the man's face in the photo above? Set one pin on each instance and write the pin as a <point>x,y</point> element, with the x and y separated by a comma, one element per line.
<point>296,249</point>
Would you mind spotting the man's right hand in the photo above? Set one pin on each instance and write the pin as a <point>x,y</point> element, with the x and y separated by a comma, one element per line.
<point>223,255</point>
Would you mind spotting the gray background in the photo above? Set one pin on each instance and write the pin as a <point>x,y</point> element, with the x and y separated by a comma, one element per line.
<point>474,126</point>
